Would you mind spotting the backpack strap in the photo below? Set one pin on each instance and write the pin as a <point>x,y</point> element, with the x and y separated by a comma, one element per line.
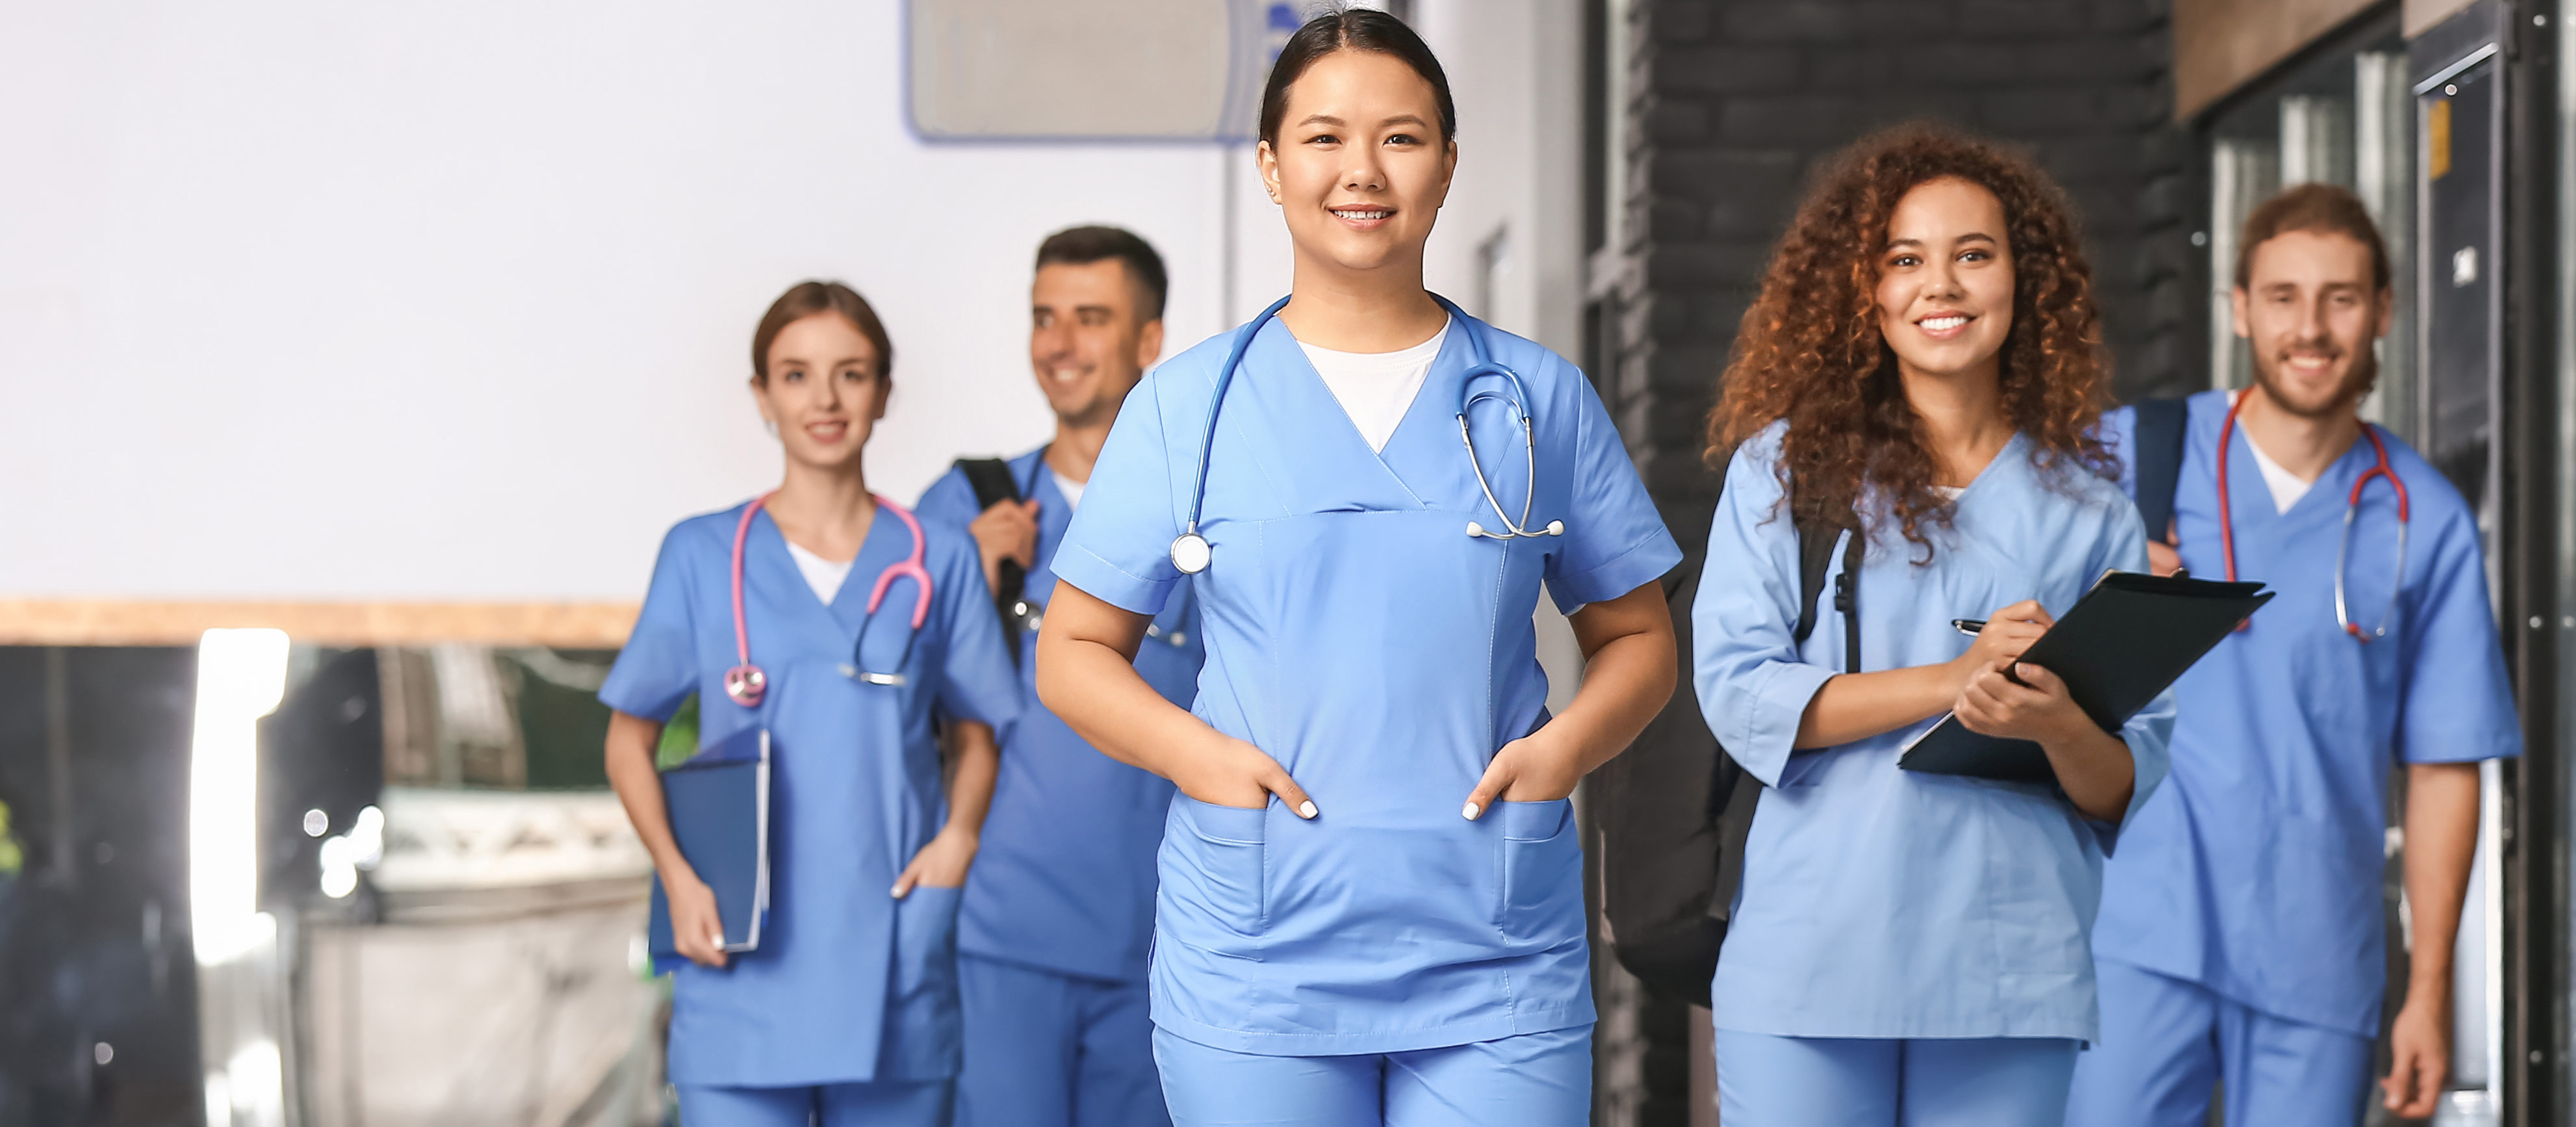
<point>1816,540</point>
<point>1815,558</point>
<point>993,484</point>
<point>1847,599</point>
<point>2162,427</point>
<point>991,478</point>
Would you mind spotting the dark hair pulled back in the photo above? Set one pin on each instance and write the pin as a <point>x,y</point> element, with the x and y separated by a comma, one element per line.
<point>805,299</point>
<point>1342,28</point>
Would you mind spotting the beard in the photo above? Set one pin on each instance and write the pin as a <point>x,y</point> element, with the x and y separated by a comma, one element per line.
<point>2357,382</point>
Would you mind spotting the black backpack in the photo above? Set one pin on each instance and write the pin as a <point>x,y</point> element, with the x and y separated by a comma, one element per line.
<point>1663,805</point>
<point>993,484</point>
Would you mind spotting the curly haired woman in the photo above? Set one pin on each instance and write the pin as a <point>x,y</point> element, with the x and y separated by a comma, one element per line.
<point>1924,369</point>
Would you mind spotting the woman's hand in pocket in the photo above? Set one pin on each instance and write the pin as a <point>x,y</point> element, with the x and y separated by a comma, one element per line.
<point>940,864</point>
<point>1231,772</point>
<point>1529,769</point>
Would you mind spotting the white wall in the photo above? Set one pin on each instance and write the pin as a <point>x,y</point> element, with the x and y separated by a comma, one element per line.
<point>317,301</point>
<point>1515,70</point>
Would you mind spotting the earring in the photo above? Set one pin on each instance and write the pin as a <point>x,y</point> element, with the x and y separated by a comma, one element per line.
<point>769,424</point>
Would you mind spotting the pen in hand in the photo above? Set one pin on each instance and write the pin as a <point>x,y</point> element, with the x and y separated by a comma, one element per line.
<point>1975,626</point>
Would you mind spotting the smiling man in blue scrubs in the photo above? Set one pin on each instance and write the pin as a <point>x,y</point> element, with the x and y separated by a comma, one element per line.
<point>1060,910</point>
<point>2240,934</point>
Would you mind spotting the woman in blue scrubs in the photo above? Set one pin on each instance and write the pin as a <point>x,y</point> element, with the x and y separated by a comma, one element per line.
<point>1370,907</point>
<point>847,1012</point>
<point>1924,357</point>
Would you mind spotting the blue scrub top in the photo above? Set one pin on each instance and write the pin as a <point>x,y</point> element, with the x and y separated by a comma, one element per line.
<point>2258,874</point>
<point>1064,879</point>
<point>1878,902</point>
<point>849,984</point>
<point>1359,636</point>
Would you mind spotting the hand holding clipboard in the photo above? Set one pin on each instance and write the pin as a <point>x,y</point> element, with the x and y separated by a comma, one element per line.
<point>2127,640</point>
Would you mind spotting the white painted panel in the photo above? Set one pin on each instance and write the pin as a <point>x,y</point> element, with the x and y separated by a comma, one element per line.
<point>306,300</point>
<point>1175,69</point>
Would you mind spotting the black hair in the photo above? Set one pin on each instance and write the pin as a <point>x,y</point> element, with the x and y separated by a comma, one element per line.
<point>1355,29</point>
<point>1082,246</point>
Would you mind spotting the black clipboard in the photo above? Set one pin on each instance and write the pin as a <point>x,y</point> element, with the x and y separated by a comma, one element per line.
<point>2131,637</point>
<point>718,803</point>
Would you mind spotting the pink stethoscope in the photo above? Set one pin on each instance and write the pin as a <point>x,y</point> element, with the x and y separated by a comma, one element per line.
<point>2343,549</point>
<point>745,683</point>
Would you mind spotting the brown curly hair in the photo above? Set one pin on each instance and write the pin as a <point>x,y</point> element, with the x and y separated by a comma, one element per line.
<point>1809,350</point>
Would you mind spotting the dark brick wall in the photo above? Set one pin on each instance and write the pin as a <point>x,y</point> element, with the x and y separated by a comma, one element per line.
<point>1733,102</point>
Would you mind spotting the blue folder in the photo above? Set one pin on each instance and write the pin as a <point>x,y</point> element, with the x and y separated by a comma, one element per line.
<point>719,809</point>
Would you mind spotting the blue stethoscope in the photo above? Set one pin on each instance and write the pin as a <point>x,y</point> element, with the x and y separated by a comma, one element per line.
<point>1190,551</point>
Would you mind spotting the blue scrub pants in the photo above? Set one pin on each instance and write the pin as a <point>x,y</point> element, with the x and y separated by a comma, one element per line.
<point>1532,1080</point>
<point>1053,1050</point>
<point>889,1103</point>
<point>2167,1042</point>
<point>1769,1081</point>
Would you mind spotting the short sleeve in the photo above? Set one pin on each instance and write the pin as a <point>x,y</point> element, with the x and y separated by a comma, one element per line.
<point>1119,547</point>
<point>658,668</point>
<point>1615,539</point>
<point>2456,706</point>
<point>976,680</point>
<point>1753,687</point>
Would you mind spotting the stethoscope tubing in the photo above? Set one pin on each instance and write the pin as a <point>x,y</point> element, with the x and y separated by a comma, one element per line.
<point>2343,545</point>
<point>746,683</point>
<point>1216,406</point>
<point>1191,548</point>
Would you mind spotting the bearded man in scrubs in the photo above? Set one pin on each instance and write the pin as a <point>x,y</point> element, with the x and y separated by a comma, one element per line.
<point>1059,913</point>
<point>2240,934</point>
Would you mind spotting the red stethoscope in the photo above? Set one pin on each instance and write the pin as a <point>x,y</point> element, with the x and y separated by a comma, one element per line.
<point>2343,549</point>
<point>745,683</point>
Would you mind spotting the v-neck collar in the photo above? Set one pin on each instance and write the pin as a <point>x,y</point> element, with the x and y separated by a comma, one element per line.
<point>846,609</point>
<point>2249,497</point>
<point>1327,452</point>
<point>2015,447</point>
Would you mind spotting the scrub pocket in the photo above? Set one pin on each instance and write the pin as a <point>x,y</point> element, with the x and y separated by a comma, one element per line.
<point>1213,876</point>
<point>1542,872</point>
<point>922,1038</point>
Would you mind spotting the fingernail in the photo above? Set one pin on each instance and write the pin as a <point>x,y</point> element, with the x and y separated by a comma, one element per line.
<point>1306,809</point>
<point>1470,812</point>
<point>897,891</point>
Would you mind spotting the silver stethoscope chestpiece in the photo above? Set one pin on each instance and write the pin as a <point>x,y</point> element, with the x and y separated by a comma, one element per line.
<point>1476,529</point>
<point>1190,553</point>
